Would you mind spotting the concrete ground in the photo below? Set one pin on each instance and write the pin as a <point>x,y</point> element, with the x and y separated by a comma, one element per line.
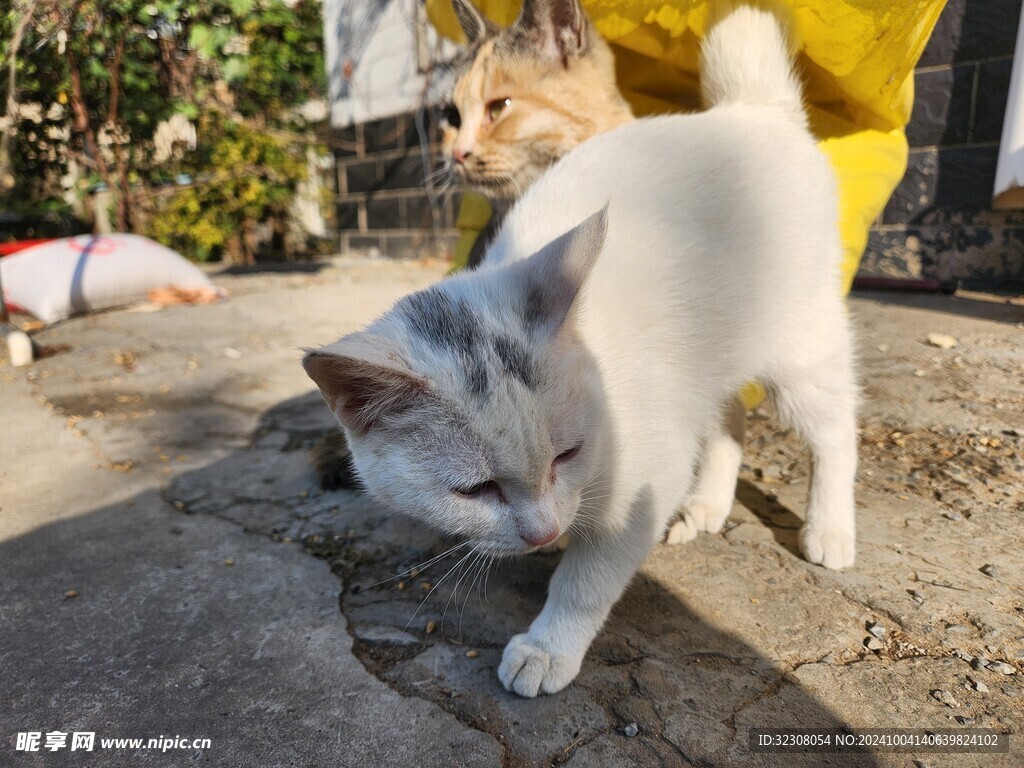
<point>168,567</point>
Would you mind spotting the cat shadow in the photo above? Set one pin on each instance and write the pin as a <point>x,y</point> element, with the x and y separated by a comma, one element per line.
<point>783,523</point>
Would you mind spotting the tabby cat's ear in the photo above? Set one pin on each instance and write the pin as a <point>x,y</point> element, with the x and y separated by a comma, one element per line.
<point>475,25</point>
<point>559,27</point>
<point>362,390</point>
<point>549,281</point>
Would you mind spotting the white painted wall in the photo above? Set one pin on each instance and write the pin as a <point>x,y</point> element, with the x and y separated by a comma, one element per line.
<point>372,54</point>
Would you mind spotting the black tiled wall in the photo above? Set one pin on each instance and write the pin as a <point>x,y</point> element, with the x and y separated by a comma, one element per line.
<point>939,222</point>
<point>383,201</point>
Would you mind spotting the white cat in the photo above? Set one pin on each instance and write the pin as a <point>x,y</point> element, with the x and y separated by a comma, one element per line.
<point>568,383</point>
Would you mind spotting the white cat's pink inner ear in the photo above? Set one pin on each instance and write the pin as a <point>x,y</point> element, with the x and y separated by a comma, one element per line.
<point>362,393</point>
<point>322,369</point>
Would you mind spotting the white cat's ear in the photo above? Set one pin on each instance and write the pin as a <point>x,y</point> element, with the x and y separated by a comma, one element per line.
<point>362,392</point>
<point>475,25</point>
<point>558,26</point>
<point>550,280</point>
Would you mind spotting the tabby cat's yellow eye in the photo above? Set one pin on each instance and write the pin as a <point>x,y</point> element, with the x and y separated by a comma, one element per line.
<point>495,108</point>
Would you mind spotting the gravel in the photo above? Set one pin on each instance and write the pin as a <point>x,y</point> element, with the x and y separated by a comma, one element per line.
<point>941,340</point>
<point>977,685</point>
<point>945,697</point>
<point>1001,667</point>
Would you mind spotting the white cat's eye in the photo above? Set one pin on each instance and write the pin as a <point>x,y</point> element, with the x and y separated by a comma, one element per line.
<point>478,490</point>
<point>570,454</point>
<point>495,108</point>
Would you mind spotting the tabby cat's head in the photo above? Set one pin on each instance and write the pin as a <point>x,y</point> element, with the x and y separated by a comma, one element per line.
<point>524,96</point>
<point>472,405</point>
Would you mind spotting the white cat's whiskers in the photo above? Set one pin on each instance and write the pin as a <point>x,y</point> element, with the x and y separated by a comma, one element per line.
<point>582,526</point>
<point>419,568</point>
<point>492,559</point>
<point>588,518</point>
<point>458,581</point>
<point>590,500</point>
<point>439,583</point>
<point>614,462</point>
<point>478,565</point>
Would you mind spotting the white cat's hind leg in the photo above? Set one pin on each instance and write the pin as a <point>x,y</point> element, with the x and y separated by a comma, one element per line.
<point>820,401</point>
<point>711,501</point>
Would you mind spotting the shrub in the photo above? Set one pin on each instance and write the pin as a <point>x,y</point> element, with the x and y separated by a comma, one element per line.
<point>243,177</point>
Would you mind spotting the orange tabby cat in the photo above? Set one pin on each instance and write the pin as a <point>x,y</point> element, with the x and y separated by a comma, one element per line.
<point>523,97</point>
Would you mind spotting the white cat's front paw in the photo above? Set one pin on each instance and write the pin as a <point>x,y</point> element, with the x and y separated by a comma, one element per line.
<point>831,547</point>
<point>527,668</point>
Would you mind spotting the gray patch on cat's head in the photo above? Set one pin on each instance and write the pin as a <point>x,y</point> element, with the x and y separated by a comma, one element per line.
<point>477,379</point>
<point>449,324</point>
<point>515,360</point>
<point>533,308</point>
<point>482,354</point>
<point>441,320</point>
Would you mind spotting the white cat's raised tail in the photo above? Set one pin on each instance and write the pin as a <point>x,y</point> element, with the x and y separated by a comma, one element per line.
<point>568,383</point>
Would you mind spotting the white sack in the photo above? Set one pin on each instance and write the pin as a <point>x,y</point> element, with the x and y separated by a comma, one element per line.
<point>77,274</point>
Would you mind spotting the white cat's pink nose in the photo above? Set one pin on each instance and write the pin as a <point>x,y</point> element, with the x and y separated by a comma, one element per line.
<point>540,538</point>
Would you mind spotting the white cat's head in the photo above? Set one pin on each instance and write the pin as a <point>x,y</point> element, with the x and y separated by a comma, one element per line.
<point>473,405</point>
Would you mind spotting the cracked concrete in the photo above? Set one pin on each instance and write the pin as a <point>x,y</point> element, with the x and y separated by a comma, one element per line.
<point>158,471</point>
